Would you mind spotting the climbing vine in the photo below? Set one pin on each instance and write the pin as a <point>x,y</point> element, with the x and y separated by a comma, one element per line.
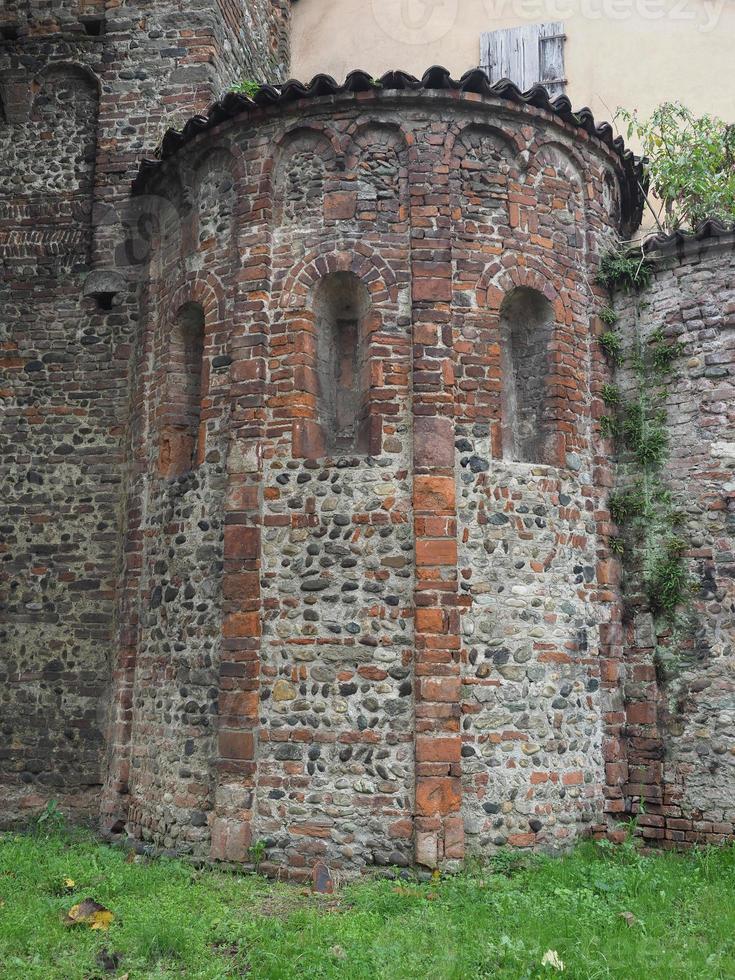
<point>644,510</point>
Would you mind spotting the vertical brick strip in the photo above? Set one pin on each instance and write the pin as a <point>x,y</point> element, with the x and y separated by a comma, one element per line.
<point>439,833</point>
<point>241,631</point>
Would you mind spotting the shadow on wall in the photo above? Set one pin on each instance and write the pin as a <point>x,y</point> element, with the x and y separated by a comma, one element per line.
<point>526,331</point>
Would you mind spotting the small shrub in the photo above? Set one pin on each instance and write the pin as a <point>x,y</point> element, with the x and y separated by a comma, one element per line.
<point>689,161</point>
<point>257,853</point>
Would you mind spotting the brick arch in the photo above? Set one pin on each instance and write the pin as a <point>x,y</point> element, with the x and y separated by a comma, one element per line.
<point>571,153</point>
<point>205,290</point>
<point>514,141</point>
<point>169,208</point>
<point>492,289</point>
<point>315,127</point>
<point>72,68</point>
<point>345,256</point>
<point>208,295</point>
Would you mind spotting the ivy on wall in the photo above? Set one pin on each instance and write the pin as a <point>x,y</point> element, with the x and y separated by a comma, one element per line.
<point>644,509</point>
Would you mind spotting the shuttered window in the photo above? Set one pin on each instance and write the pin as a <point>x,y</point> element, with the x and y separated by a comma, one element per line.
<point>526,55</point>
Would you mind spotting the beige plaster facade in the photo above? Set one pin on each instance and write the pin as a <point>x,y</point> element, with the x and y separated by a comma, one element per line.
<point>632,53</point>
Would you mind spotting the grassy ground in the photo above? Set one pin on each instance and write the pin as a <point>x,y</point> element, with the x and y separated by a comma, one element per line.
<point>606,913</point>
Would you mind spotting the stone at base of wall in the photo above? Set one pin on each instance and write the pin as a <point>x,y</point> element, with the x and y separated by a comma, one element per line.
<point>20,806</point>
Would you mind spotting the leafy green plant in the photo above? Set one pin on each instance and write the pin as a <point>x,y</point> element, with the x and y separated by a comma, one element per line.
<point>644,433</point>
<point>663,353</point>
<point>50,820</point>
<point>626,504</point>
<point>247,87</point>
<point>257,853</point>
<point>617,546</point>
<point>611,395</point>
<point>623,269</point>
<point>667,579</point>
<point>689,161</point>
<point>612,345</point>
<point>608,316</point>
<point>609,426</point>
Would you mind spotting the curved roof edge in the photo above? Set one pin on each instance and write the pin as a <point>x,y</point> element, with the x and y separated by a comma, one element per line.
<point>712,230</point>
<point>437,78</point>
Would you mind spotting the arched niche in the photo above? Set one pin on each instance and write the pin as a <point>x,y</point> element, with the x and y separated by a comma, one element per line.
<point>181,398</point>
<point>379,164</point>
<point>63,129</point>
<point>559,185</point>
<point>304,159</point>
<point>214,202</point>
<point>160,218</point>
<point>611,197</point>
<point>527,326</point>
<point>484,164</point>
<point>341,306</point>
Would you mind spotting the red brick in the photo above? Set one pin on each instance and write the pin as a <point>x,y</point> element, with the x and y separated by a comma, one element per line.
<point>438,749</point>
<point>437,795</point>
<point>440,688</point>
<point>435,494</point>
<point>242,541</point>
<point>436,551</point>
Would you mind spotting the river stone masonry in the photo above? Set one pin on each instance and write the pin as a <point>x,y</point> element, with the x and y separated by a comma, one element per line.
<point>306,539</point>
<point>397,368</point>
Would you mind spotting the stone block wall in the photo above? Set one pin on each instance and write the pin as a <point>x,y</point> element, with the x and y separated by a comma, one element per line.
<point>407,638</point>
<point>676,756</point>
<point>85,86</point>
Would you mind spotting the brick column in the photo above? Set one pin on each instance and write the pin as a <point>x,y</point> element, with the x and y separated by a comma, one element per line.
<point>439,832</point>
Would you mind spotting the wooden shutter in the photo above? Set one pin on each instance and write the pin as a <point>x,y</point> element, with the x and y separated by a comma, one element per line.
<point>526,55</point>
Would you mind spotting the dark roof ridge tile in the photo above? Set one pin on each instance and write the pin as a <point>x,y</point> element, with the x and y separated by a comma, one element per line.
<point>436,78</point>
<point>707,229</point>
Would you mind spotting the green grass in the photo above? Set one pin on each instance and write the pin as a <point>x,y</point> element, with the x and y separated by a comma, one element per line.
<point>172,920</point>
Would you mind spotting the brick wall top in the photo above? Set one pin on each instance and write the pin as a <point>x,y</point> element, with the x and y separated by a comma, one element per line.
<point>473,86</point>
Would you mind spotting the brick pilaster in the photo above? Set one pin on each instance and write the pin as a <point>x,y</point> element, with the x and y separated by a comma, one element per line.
<point>439,833</point>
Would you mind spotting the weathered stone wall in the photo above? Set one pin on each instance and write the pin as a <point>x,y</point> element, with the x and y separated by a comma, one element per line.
<point>409,646</point>
<point>83,91</point>
<point>679,731</point>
